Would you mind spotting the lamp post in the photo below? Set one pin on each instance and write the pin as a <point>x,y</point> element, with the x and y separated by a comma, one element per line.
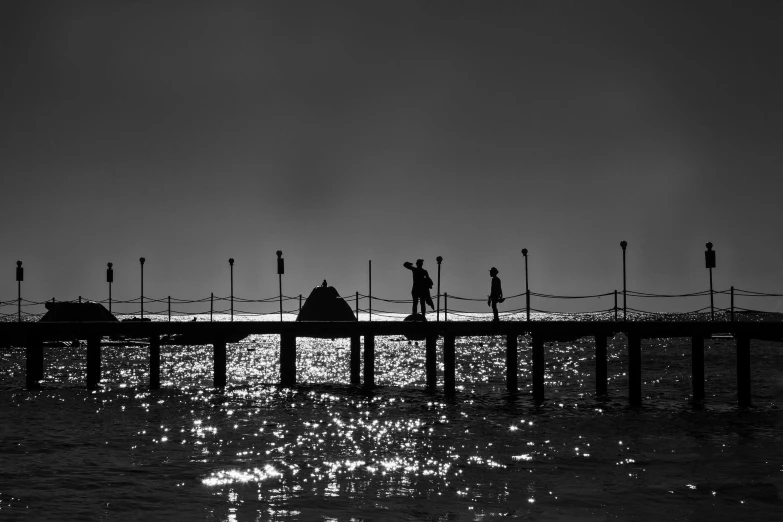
<point>624,244</point>
<point>527,287</point>
<point>439,259</point>
<point>280,272</point>
<point>709,258</point>
<point>231,264</point>
<point>110,280</point>
<point>19,279</point>
<point>141,262</point>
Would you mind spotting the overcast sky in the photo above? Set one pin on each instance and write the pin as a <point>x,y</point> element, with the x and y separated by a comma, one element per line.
<point>190,132</point>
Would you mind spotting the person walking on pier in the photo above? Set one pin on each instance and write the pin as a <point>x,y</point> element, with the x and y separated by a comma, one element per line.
<point>421,286</point>
<point>495,293</point>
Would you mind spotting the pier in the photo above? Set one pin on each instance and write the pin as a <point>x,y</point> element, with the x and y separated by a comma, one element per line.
<point>32,336</point>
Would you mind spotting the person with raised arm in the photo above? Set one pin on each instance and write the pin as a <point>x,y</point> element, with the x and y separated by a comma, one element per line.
<point>421,286</point>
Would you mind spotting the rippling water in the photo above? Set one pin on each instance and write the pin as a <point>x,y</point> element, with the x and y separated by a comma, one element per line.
<point>328,451</point>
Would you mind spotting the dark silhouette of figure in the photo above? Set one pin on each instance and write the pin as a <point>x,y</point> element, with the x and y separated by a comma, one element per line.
<point>323,285</point>
<point>421,286</point>
<point>495,293</point>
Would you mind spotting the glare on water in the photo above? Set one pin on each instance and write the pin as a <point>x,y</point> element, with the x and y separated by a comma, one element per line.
<point>327,450</point>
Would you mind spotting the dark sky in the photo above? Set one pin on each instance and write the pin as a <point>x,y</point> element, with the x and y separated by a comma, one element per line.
<point>192,132</point>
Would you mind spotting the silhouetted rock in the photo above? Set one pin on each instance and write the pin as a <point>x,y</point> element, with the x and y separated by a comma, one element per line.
<point>325,304</point>
<point>415,318</point>
<point>76,312</point>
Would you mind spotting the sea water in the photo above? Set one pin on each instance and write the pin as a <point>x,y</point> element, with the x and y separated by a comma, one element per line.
<point>326,450</point>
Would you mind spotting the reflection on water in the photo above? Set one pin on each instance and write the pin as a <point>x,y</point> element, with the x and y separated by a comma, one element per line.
<point>326,450</point>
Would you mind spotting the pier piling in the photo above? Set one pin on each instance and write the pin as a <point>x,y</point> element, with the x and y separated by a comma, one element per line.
<point>449,364</point>
<point>356,360</point>
<point>287,359</point>
<point>154,362</point>
<point>743,371</point>
<point>93,362</point>
<point>635,369</point>
<point>35,363</point>
<point>600,365</point>
<point>369,361</point>
<point>697,367</point>
<point>538,369</point>
<point>219,379</point>
<point>430,363</point>
<point>512,363</point>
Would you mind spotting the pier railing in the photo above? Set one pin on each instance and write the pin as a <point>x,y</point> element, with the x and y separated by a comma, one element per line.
<point>523,306</point>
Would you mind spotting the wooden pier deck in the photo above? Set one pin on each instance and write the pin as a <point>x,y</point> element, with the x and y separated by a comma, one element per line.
<point>32,335</point>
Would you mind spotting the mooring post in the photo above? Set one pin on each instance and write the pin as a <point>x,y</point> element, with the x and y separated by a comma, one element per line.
<point>512,363</point>
<point>154,362</point>
<point>287,359</point>
<point>743,370</point>
<point>539,367</point>
<point>449,364</point>
<point>93,362</point>
<point>219,363</point>
<point>600,365</point>
<point>635,369</point>
<point>356,360</point>
<point>697,367</point>
<point>430,362</point>
<point>35,363</point>
<point>369,360</point>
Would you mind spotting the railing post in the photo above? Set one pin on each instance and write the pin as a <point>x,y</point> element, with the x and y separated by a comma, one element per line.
<point>512,363</point>
<point>635,369</point>
<point>356,360</point>
<point>615,305</point>
<point>743,371</point>
<point>110,280</point>
<point>19,279</point>
<point>169,308</point>
<point>449,364</point>
<point>445,307</point>
<point>287,359</point>
<point>211,305</point>
<point>600,365</point>
<point>231,264</point>
<point>369,296</point>
<point>141,299</point>
<point>439,259</point>
<point>369,360</point>
<point>300,303</point>
<point>35,363</point>
<point>93,362</point>
<point>219,364</point>
<point>280,271</point>
<point>357,306</point>
<point>539,368</point>
<point>527,288</point>
<point>697,367</point>
<point>154,362</point>
<point>624,245</point>
<point>430,362</point>
<point>732,304</point>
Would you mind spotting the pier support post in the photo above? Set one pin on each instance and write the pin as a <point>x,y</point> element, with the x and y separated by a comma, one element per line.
<point>538,369</point>
<point>287,359</point>
<point>743,371</point>
<point>635,369</point>
<point>449,364</point>
<point>154,362</point>
<point>512,364</point>
<point>93,362</point>
<point>356,360</point>
<point>35,363</point>
<point>430,362</point>
<point>369,361</point>
<point>219,366</point>
<point>697,367</point>
<point>600,365</point>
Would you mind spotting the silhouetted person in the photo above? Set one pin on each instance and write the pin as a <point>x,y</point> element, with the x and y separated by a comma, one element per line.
<point>421,286</point>
<point>495,293</point>
<point>323,285</point>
